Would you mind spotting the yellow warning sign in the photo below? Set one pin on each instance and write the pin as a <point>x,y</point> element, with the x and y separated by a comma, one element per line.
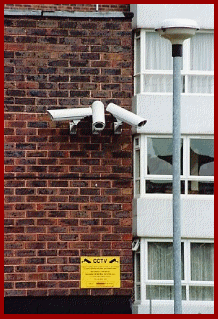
<point>100,272</point>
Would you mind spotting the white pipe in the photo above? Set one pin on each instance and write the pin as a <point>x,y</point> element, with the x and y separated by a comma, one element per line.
<point>96,7</point>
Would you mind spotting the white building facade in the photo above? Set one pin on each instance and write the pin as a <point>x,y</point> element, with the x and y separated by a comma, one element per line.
<point>152,203</point>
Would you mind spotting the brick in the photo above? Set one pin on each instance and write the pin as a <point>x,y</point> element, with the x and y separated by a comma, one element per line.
<point>14,229</point>
<point>25,237</point>
<point>120,229</point>
<point>58,276</point>
<point>57,260</point>
<point>24,222</point>
<point>8,69</point>
<point>14,277</point>
<point>16,292</point>
<point>59,78</point>
<point>47,268</point>
<point>68,206</point>
<point>79,93</point>
<point>57,245</point>
<point>36,199</point>
<point>90,237</point>
<point>47,252</point>
<point>69,237</point>
<point>25,285</point>
<point>34,245</point>
<point>100,245</point>
<point>111,237</point>
<point>36,293</point>
<point>47,237</point>
<point>111,207</point>
<point>46,284</point>
<point>8,269</point>
<point>25,269</point>
<point>8,285</point>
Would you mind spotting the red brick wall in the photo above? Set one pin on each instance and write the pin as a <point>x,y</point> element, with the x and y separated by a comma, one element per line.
<point>69,7</point>
<point>66,195</point>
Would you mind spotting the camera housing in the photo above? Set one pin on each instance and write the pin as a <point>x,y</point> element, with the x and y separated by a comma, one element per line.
<point>74,115</point>
<point>123,115</point>
<point>98,117</point>
<point>69,114</point>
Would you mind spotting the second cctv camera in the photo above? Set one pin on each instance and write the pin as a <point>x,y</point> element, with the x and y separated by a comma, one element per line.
<point>98,117</point>
<point>123,115</point>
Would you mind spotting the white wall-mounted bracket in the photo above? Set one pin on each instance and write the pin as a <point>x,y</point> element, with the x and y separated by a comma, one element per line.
<point>135,244</point>
<point>118,127</point>
<point>73,126</point>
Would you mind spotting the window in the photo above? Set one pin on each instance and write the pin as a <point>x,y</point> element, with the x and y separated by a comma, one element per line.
<point>153,165</point>
<point>154,270</point>
<point>154,63</point>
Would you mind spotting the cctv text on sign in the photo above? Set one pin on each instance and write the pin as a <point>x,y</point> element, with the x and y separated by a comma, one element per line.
<point>100,272</point>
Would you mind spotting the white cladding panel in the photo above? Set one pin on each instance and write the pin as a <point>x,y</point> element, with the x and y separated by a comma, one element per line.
<point>151,15</point>
<point>197,113</point>
<point>153,217</point>
<point>167,307</point>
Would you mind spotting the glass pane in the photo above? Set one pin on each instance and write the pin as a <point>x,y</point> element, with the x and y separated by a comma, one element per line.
<point>160,261</point>
<point>137,84</point>
<point>202,261</point>
<point>162,292</point>
<point>138,292</point>
<point>162,187</point>
<point>158,55</point>
<point>137,163</point>
<point>201,293</point>
<point>137,271</point>
<point>201,84</point>
<point>158,83</point>
<point>137,57</point>
<point>137,187</point>
<point>202,157</point>
<point>160,151</point>
<point>202,188</point>
<point>136,142</point>
<point>137,33</point>
<point>202,52</point>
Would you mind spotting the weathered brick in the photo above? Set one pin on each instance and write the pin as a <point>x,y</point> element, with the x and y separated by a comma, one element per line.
<point>25,269</point>
<point>90,237</point>
<point>68,199</point>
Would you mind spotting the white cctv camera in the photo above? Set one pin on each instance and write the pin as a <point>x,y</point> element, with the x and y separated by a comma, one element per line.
<point>123,115</point>
<point>98,117</point>
<point>74,115</point>
<point>70,114</point>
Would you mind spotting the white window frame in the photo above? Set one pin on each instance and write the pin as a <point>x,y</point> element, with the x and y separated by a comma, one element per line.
<point>140,35</point>
<point>186,177</point>
<point>187,282</point>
